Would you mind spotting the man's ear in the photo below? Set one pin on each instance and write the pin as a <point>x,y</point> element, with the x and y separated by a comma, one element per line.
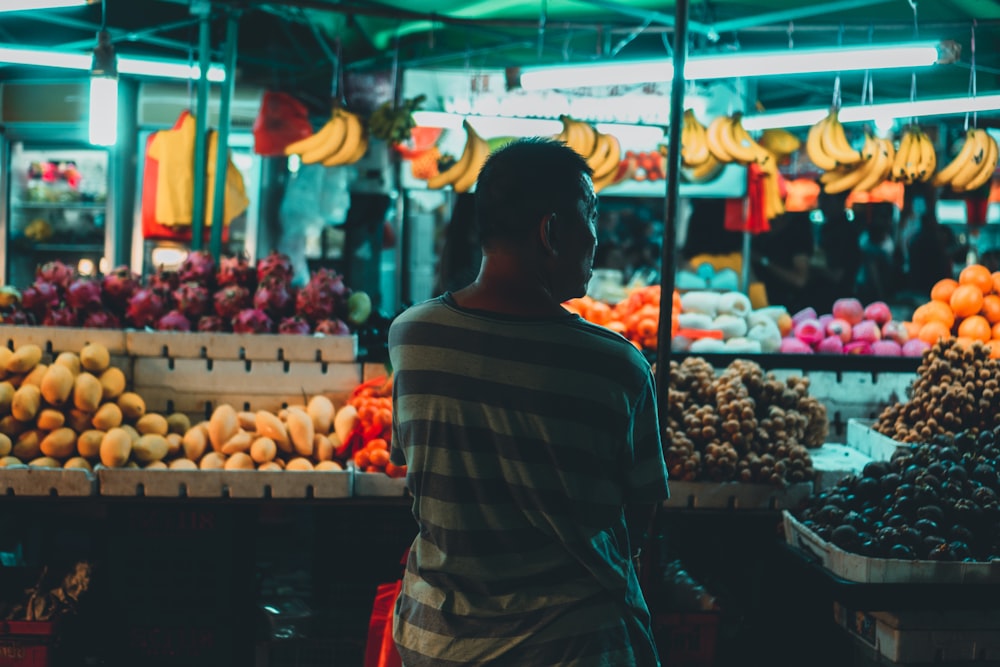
<point>548,235</point>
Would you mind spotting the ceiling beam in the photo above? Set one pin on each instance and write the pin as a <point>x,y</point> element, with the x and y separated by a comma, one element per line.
<point>652,16</point>
<point>116,35</point>
<point>786,15</point>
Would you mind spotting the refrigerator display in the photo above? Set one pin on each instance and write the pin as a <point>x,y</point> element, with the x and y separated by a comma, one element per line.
<point>57,209</point>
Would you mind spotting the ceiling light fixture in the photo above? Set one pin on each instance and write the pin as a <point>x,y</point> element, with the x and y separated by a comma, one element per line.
<point>27,5</point>
<point>506,126</point>
<point>170,69</point>
<point>103,123</point>
<point>943,106</point>
<point>737,64</point>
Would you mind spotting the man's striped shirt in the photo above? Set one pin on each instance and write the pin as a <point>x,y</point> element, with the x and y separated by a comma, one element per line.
<point>523,439</point>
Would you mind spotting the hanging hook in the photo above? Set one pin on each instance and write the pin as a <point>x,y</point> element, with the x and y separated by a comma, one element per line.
<point>972,75</point>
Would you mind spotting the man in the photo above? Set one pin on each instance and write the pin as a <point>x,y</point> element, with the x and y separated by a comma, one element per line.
<point>531,440</point>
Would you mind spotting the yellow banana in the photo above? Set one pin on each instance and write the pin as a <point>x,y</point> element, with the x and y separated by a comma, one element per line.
<point>881,165</point>
<point>335,140</point>
<point>610,151</point>
<point>311,142</point>
<point>452,173</point>
<point>972,167</point>
<point>948,172</point>
<point>835,144</point>
<point>780,142</point>
<point>359,152</point>
<point>741,151</point>
<point>608,179</point>
<point>814,147</point>
<point>354,130</point>
<point>899,171</point>
<point>480,151</point>
<point>694,142</point>
<point>989,164</point>
<point>927,161</point>
<point>706,171</point>
<point>714,136</point>
<point>578,135</point>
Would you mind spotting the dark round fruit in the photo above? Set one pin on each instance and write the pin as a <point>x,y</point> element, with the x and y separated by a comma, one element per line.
<point>984,496</point>
<point>936,469</point>
<point>926,527</point>
<point>845,537</point>
<point>890,481</point>
<point>910,536</point>
<point>888,535</point>
<point>985,475</point>
<point>941,552</point>
<point>986,438</point>
<point>905,505</point>
<point>901,551</point>
<point>875,470</point>
<point>868,488</point>
<point>856,520</point>
<point>960,533</point>
<point>960,549</point>
<point>965,441</point>
<point>948,454</point>
<point>957,473</point>
<point>931,512</point>
<point>831,515</point>
<point>911,472</point>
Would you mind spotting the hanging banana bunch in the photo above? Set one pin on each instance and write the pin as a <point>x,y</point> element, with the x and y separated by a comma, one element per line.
<point>699,161</point>
<point>602,151</point>
<point>974,165</point>
<point>915,158</point>
<point>728,141</point>
<point>464,173</point>
<point>827,144</point>
<point>342,140</point>
<point>877,159</point>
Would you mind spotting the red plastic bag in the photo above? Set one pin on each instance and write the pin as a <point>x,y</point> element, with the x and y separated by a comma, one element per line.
<point>282,120</point>
<point>380,649</point>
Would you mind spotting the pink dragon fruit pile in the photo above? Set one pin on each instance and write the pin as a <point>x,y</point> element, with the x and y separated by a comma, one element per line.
<point>232,296</point>
<point>851,328</point>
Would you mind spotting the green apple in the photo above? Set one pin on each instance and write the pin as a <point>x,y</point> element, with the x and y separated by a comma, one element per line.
<point>359,308</point>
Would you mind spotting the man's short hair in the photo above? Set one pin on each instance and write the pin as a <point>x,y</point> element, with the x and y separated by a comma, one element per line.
<point>524,181</point>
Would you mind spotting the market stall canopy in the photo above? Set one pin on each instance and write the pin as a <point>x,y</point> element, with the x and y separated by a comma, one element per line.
<point>291,45</point>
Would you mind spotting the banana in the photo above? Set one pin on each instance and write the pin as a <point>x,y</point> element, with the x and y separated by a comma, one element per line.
<point>835,143</point>
<point>480,151</point>
<point>714,137</point>
<point>927,162</point>
<point>578,135</point>
<point>606,156</point>
<point>814,147</point>
<point>694,142</point>
<point>913,156</point>
<point>354,130</point>
<point>616,175</point>
<point>740,152</point>
<point>312,141</point>
<point>706,171</point>
<point>773,204</point>
<point>944,176</point>
<point>881,166</point>
<point>972,167</point>
<point>335,140</point>
<point>359,151</point>
<point>843,179</point>
<point>989,164</point>
<point>762,156</point>
<point>899,171</point>
<point>780,142</point>
<point>452,173</point>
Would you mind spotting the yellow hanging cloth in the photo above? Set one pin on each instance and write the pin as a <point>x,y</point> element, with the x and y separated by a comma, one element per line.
<point>174,151</point>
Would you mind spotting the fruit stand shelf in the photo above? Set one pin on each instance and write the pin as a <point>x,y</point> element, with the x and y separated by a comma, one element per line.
<point>82,205</point>
<point>837,363</point>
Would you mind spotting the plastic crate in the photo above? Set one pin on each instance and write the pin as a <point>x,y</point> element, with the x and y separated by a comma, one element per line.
<point>686,639</point>
<point>26,643</point>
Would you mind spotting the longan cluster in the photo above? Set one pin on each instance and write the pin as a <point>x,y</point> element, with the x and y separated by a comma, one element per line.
<point>957,389</point>
<point>741,424</point>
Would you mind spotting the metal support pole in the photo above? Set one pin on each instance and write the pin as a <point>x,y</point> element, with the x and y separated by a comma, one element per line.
<point>200,132</point>
<point>670,213</point>
<point>222,144</point>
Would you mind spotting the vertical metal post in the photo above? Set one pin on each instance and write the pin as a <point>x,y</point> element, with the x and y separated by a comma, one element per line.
<point>670,213</point>
<point>222,145</point>
<point>201,126</point>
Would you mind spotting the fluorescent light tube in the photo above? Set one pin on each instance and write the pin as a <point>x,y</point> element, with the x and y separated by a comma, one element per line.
<point>103,123</point>
<point>945,106</point>
<point>737,64</point>
<point>21,5</point>
<point>171,69</point>
<point>505,126</point>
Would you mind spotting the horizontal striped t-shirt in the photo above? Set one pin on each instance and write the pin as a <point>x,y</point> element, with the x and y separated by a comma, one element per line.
<point>523,439</point>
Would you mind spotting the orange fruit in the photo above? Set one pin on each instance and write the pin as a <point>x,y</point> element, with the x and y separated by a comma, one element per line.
<point>978,275</point>
<point>931,332</point>
<point>964,342</point>
<point>966,300</point>
<point>996,331</point>
<point>935,311</point>
<point>912,330</point>
<point>994,348</point>
<point>991,308</point>
<point>975,327</point>
<point>942,289</point>
<point>996,281</point>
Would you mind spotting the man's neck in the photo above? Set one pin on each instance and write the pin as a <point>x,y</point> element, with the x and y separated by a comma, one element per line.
<point>507,286</point>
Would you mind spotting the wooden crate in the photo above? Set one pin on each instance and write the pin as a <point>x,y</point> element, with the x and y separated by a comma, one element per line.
<point>735,495</point>
<point>31,481</point>
<point>62,339</point>
<point>377,484</point>
<point>225,483</point>
<point>238,347</point>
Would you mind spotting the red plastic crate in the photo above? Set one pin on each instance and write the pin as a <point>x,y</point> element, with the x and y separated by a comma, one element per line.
<point>26,643</point>
<point>686,639</point>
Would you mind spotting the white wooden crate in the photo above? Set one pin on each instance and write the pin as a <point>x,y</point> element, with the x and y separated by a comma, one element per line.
<point>863,569</point>
<point>377,484</point>
<point>62,339</point>
<point>735,495</point>
<point>232,346</point>
<point>30,481</point>
<point>833,462</point>
<point>862,437</point>
<point>225,483</point>
<point>196,386</point>
<point>925,637</point>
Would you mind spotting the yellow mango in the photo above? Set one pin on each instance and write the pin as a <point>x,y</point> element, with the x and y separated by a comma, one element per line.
<point>26,403</point>
<point>112,383</point>
<point>59,444</point>
<point>24,359</point>
<point>107,417</point>
<point>87,392</point>
<point>116,447</point>
<point>95,358</point>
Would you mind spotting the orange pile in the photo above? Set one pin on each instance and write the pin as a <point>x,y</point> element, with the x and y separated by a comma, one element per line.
<point>967,308</point>
<point>637,317</point>
<point>369,446</point>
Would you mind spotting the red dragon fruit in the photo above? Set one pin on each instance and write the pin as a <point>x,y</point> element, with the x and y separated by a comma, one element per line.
<point>252,320</point>
<point>17,316</point>
<point>40,297</point>
<point>236,271</point>
<point>333,327</point>
<point>84,293</point>
<point>211,323</point>
<point>55,272</point>
<point>230,300</point>
<point>275,264</point>
<point>101,319</point>
<point>165,282</point>
<point>193,300</point>
<point>274,297</point>
<point>323,297</point>
<point>145,308</point>
<point>198,267</point>
<point>61,316</point>
<point>294,325</point>
<point>119,285</point>
<point>173,321</point>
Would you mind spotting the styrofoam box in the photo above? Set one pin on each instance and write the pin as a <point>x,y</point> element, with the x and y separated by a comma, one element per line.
<point>925,636</point>
<point>862,437</point>
<point>62,339</point>
<point>225,483</point>
<point>735,495</point>
<point>233,346</point>
<point>863,569</point>
<point>31,481</point>
<point>833,462</point>
<point>377,484</point>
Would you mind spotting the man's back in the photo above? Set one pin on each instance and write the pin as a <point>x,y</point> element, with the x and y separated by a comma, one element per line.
<point>523,440</point>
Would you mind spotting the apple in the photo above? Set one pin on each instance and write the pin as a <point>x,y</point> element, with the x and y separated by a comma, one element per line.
<point>878,312</point>
<point>849,309</point>
<point>866,331</point>
<point>915,348</point>
<point>858,347</point>
<point>887,348</point>
<point>896,331</point>
<point>826,319</point>
<point>794,346</point>
<point>842,329</point>
<point>831,345</point>
<point>804,314</point>
<point>809,331</point>
<point>359,308</point>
